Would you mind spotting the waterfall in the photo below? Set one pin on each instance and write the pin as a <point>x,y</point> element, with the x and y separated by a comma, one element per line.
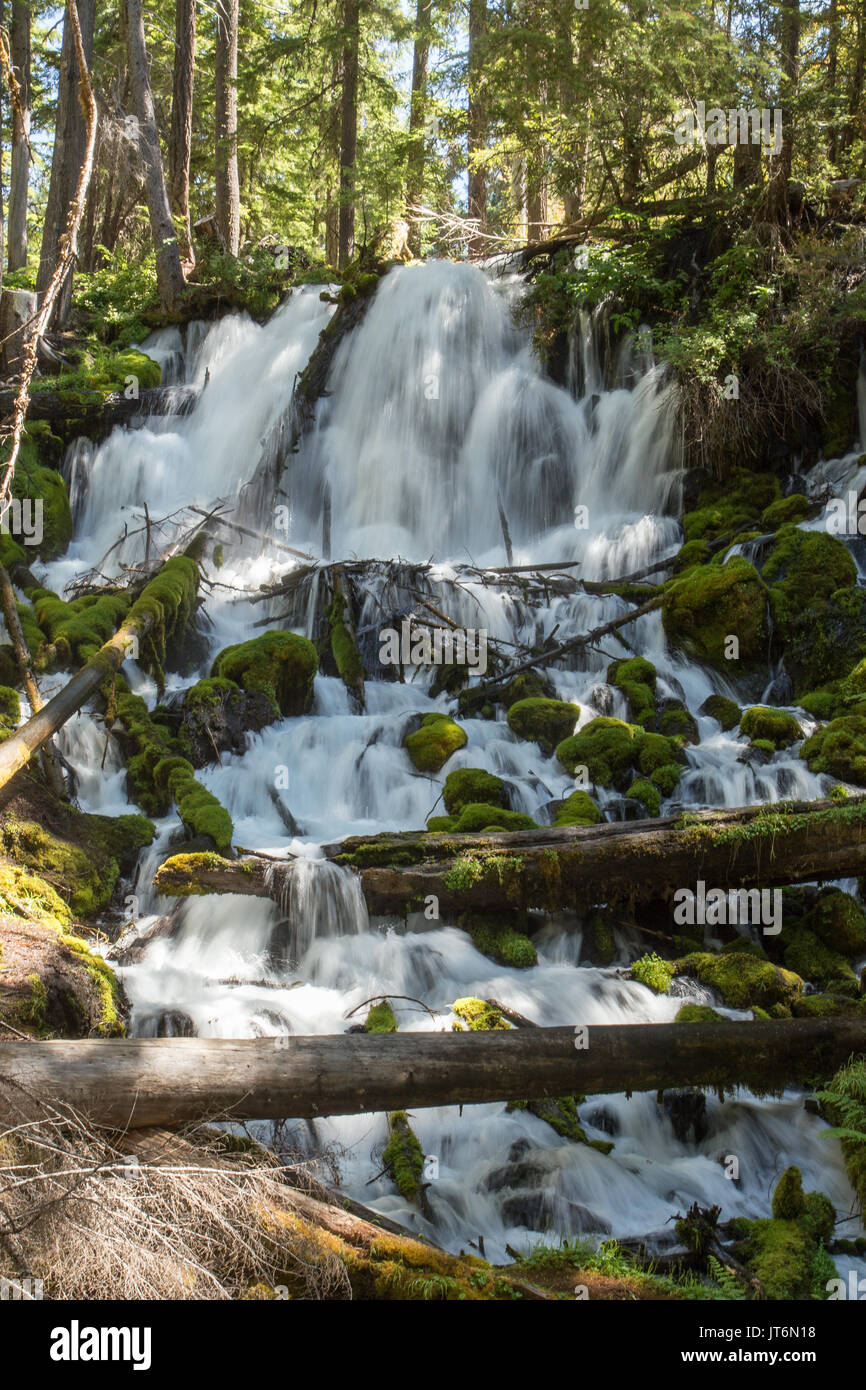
<point>437,411</point>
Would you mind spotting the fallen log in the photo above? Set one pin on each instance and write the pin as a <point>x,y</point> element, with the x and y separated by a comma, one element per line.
<point>95,414</point>
<point>131,1083</point>
<point>575,866</point>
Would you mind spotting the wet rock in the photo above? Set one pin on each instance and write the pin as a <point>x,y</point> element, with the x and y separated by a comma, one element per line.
<point>605,1120</point>
<point>687,1112</point>
<point>173,1023</point>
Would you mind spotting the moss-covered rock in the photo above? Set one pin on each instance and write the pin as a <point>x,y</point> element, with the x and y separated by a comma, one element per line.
<point>677,722</point>
<point>470,785</point>
<point>381,1019</point>
<point>52,984</point>
<point>713,602</point>
<point>803,568</point>
<point>654,972</point>
<point>723,507</point>
<point>403,1157</point>
<point>636,678</point>
<point>839,921</point>
<point>791,509</point>
<point>477,1016</point>
<point>478,816</point>
<point>526,685</point>
<point>579,809</point>
<point>742,980</point>
<point>44,489</point>
<point>280,664</point>
<point>815,962</point>
<point>500,939</point>
<point>646,794</point>
<point>432,745</point>
<point>786,1251</point>
<point>698,1013</point>
<point>773,725</point>
<point>561,1113</point>
<point>344,648</point>
<point>546,722</point>
<point>726,712</point>
<point>605,746</point>
<point>82,866</point>
<point>825,639</point>
<point>216,717</point>
<point>839,748</point>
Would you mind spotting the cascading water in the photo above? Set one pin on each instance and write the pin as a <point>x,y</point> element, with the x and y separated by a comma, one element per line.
<point>436,415</point>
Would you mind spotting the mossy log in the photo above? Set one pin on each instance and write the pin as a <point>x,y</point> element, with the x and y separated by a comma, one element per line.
<point>131,1083</point>
<point>95,414</point>
<point>568,866</point>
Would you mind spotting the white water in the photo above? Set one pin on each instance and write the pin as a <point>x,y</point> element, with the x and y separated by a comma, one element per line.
<point>435,410</point>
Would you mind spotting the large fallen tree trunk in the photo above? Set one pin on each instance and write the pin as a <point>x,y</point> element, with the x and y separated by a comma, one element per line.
<point>95,415</point>
<point>17,751</point>
<point>576,866</point>
<point>130,1083</point>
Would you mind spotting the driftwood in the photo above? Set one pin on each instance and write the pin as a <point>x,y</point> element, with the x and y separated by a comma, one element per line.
<point>575,867</point>
<point>131,1083</point>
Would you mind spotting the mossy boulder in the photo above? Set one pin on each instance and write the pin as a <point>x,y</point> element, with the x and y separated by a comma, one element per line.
<point>526,685</point>
<point>281,665</point>
<point>605,746</point>
<point>470,785</point>
<point>698,1013</point>
<point>43,489</point>
<point>477,1016</point>
<point>825,640</point>
<point>578,809</point>
<point>802,569</point>
<point>839,748</point>
<point>501,939</point>
<point>786,1251</point>
<point>817,963</point>
<point>646,794</point>
<point>773,725</point>
<point>742,980</point>
<point>52,984</point>
<point>654,972</point>
<point>478,816</point>
<point>546,722</point>
<point>636,678</point>
<point>839,922</point>
<point>83,863</point>
<point>216,717</point>
<point>725,712</point>
<point>725,506</point>
<point>674,720</point>
<point>711,603</point>
<point>561,1113</point>
<point>790,509</point>
<point>381,1019</point>
<point>432,745</point>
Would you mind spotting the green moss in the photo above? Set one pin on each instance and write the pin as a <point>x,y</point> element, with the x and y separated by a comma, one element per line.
<point>526,685</point>
<point>741,979</point>
<point>840,749</point>
<point>814,961</point>
<point>789,1199</point>
<point>712,602</point>
<point>32,1010</point>
<point>655,751</point>
<point>199,809</point>
<point>692,553</point>
<point>676,722</point>
<point>280,664</point>
<point>25,894</point>
<point>39,483</point>
<point>442,823</point>
<point>655,973</point>
<point>786,1251</point>
<point>726,712</point>
<point>844,1103</point>
<point>647,794</point>
<point>823,703</point>
<point>770,725</point>
<point>78,629</point>
<point>403,1156</point>
<point>104,981</point>
<point>579,809</point>
<point>827,1006</point>
<point>432,745</point>
<point>698,1013</point>
<point>84,876</point>
<point>546,722</point>
<point>636,678</point>
<point>560,1112</point>
<point>606,747</point>
<point>381,1019</point>
<point>469,785</point>
<point>724,507</point>
<point>839,921</point>
<point>476,817</point>
<point>10,708</point>
<point>501,942</point>
<point>344,648</point>
<point>824,640</point>
<point>794,508</point>
<point>802,568</point>
<point>478,1016</point>
<point>666,778</point>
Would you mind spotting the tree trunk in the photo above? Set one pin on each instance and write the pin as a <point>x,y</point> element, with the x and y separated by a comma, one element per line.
<point>70,144</point>
<point>169,271</point>
<point>228,195</point>
<point>418,120</point>
<point>477,191</point>
<point>349,129</point>
<point>133,1083</point>
<point>575,867</point>
<point>19,176</point>
<point>180,133</point>
<point>832,72</point>
<point>780,165</point>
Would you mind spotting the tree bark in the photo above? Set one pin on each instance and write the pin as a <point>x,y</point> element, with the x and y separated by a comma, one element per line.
<point>169,1081</point>
<point>228,195</point>
<point>477,191</point>
<point>169,272</point>
<point>418,120</point>
<point>575,867</point>
<point>70,144</point>
<point>19,176</point>
<point>349,130</point>
<point>180,133</point>
<point>778,211</point>
<point>28,675</point>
